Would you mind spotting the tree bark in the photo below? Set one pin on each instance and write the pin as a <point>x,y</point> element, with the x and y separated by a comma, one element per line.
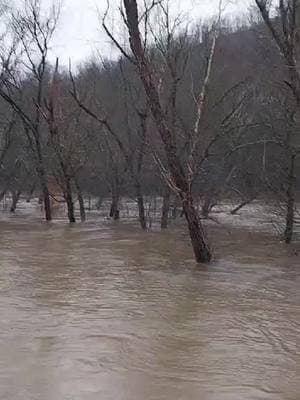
<point>141,207</point>
<point>15,198</point>
<point>2,194</point>
<point>290,211</point>
<point>179,178</point>
<point>198,239</point>
<point>174,211</point>
<point>69,200</point>
<point>30,194</point>
<point>114,208</point>
<point>80,201</point>
<point>43,182</point>
<point>81,206</point>
<point>46,200</point>
<point>115,190</point>
<point>206,207</point>
<point>165,208</point>
<point>115,198</point>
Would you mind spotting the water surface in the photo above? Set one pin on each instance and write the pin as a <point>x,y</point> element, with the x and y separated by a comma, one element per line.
<point>103,311</point>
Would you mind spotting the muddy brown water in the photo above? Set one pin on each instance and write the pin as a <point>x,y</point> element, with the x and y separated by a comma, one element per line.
<point>104,311</point>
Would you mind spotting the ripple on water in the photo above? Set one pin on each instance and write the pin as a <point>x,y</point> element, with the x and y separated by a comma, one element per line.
<point>98,311</point>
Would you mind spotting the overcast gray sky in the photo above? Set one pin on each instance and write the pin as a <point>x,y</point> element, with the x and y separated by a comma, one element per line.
<point>79,33</point>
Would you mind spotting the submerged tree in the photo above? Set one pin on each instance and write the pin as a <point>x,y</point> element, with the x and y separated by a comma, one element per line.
<point>32,34</point>
<point>178,174</point>
<point>284,27</point>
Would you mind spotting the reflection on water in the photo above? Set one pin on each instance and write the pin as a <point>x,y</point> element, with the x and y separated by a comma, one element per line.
<point>106,312</point>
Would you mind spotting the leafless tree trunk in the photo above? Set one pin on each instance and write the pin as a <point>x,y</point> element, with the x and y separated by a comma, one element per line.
<point>141,207</point>
<point>175,206</point>
<point>80,201</point>
<point>114,211</point>
<point>115,196</point>
<point>9,179</point>
<point>201,249</point>
<point>135,174</point>
<point>206,206</point>
<point>81,206</point>
<point>44,183</point>
<point>286,36</point>
<point>15,198</point>
<point>69,200</point>
<point>290,210</point>
<point>165,208</point>
<point>51,115</point>
<point>2,194</point>
<point>285,32</point>
<point>241,205</point>
<point>31,192</point>
<point>179,179</point>
<point>7,140</point>
<point>33,31</point>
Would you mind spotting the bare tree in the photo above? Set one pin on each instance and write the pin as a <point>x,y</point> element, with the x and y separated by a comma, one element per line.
<point>132,151</point>
<point>174,50</point>
<point>57,121</point>
<point>33,34</point>
<point>6,138</point>
<point>177,177</point>
<point>284,28</point>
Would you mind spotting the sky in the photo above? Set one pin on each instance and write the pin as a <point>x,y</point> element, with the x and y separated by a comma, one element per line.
<point>79,34</point>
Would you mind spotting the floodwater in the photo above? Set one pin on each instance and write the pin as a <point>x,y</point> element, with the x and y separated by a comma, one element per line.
<point>100,311</point>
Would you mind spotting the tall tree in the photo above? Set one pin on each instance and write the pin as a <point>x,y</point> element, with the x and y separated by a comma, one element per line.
<point>284,27</point>
<point>33,32</point>
<point>177,177</point>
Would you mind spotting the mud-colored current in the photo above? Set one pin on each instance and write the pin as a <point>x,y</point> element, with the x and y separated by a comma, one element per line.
<point>105,312</point>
